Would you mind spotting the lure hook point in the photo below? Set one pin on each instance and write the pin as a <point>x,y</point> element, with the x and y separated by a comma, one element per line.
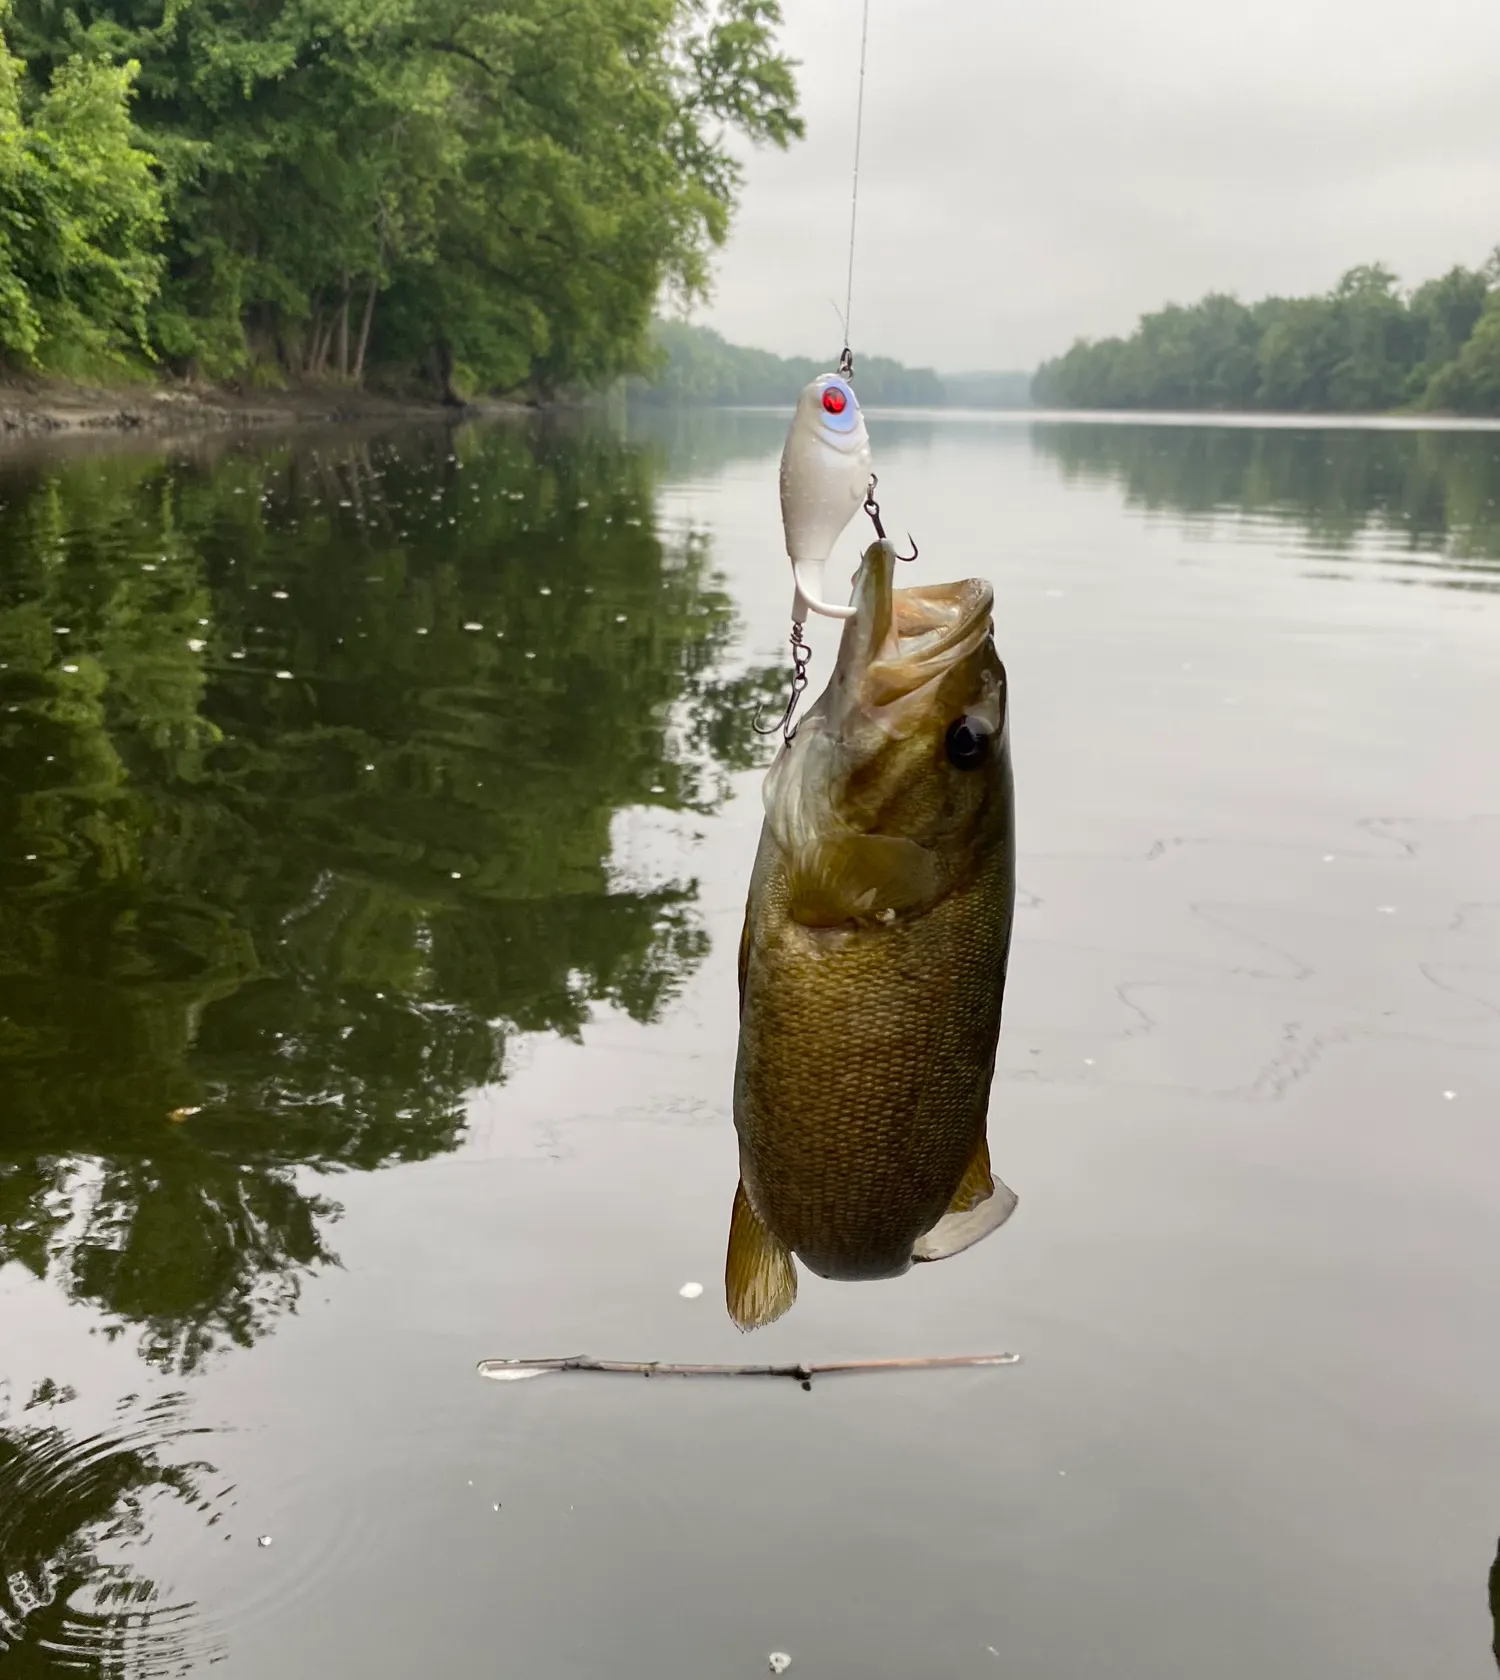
<point>872,507</point>
<point>780,723</point>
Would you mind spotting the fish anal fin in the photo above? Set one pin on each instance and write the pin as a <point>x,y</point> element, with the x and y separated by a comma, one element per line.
<point>956,1231</point>
<point>760,1279</point>
<point>977,1185</point>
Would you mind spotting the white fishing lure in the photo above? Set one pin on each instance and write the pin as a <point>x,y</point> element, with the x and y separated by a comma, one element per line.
<point>825,477</point>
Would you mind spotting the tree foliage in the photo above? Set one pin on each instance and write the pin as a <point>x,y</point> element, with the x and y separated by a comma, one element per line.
<point>1470,382</point>
<point>697,365</point>
<point>1364,347</point>
<point>81,213</point>
<point>494,192</point>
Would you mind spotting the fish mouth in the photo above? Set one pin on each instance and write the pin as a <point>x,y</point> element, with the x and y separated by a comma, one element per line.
<point>901,640</point>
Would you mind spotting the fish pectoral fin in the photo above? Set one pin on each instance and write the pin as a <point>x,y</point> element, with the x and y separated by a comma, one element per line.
<point>859,875</point>
<point>760,1280</point>
<point>959,1230</point>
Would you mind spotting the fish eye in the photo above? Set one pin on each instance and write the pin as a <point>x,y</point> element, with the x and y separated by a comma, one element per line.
<point>840,411</point>
<point>967,742</point>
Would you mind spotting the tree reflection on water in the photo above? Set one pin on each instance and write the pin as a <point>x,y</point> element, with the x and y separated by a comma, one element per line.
<point>1431,495</point>
<point>308,766</point>
<point>75,1508</point>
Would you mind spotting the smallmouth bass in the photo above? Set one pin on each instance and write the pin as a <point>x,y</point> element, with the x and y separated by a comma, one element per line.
<point>873,958</point>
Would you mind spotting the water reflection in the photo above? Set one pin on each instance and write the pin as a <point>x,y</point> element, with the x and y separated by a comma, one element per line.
<point>699,443</point>
<point>309,763</point>
<point>1429,499</point>
<point>75,1508</point>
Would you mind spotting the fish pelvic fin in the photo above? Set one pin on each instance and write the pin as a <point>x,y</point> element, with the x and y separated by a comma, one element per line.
<point>760,1279</point>
<point>980,1205</point>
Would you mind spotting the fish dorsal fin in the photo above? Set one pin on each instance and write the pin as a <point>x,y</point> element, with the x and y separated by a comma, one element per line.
<point>744,960</point>
<point>855,877</point>
<point>760,1280</point>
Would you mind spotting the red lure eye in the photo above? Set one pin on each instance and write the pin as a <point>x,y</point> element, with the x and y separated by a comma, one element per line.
<point>834,401</point>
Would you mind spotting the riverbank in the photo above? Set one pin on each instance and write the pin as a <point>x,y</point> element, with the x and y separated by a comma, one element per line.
<point>33,408</point>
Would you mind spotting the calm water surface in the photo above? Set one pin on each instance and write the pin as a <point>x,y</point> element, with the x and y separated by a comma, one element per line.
<point>375,817</point>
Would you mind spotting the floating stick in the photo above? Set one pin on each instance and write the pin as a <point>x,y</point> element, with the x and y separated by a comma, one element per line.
<point>515,1370</point>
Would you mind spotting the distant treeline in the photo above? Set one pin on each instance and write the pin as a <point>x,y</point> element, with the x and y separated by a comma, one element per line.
<point>1365,347</point>
<point>697,365</point>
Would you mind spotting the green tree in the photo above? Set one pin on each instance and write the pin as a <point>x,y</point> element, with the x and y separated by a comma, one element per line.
<point>1470,384</point>
<point>1445,312</point>
<point>81,214</point>
<point>696,365</point>
<point>1298,353</point>
<point>487,192</point>
<point>1376,347</point>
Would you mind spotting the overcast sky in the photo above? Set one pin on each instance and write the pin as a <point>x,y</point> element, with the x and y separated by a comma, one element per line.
<point>1039,170</point>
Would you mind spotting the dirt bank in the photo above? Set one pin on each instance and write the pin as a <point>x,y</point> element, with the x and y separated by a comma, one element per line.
<point>44,408</point>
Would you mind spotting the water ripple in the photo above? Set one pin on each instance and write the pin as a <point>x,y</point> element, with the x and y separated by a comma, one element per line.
<point>75,1511</point>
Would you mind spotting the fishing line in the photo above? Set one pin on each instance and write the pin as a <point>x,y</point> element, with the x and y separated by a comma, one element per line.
<point>846,361</point>
<point>801,652</point>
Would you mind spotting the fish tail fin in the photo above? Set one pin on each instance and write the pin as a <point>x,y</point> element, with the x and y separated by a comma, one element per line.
<point>980,1205</point>
<point>760,1280</point>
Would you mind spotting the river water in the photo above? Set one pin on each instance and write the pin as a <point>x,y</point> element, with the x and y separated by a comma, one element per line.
<point>375,818</point>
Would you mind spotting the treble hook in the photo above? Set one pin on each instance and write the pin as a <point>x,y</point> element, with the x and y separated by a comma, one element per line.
<point>801,654</point>
<point>872,507</point>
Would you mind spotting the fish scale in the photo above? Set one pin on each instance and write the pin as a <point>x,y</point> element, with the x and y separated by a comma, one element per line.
<point>862,1086</point>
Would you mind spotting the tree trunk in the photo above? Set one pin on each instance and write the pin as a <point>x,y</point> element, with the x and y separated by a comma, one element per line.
<point>364,334</point>
<point>324,341</point>
<point>314,334</point>
<point>445,374</point>
<point>344,329</point>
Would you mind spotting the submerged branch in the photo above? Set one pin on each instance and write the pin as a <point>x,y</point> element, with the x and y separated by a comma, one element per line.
<point>514,1370</point>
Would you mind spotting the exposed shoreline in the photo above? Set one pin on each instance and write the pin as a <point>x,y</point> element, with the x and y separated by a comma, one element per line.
<point>39,411</point>
<point>31,410</point>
